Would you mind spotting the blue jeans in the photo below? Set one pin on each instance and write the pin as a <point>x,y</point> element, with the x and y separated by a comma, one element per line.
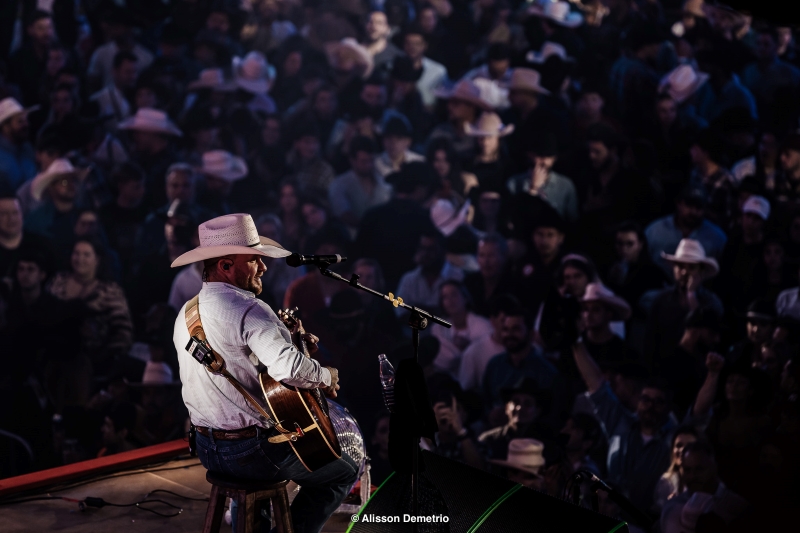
<point>321,492</point>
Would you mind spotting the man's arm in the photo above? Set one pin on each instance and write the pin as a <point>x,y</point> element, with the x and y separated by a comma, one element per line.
<point>587,366</point>
<point>272,345</point>
<point>705,396</point>
<point>608,409</point>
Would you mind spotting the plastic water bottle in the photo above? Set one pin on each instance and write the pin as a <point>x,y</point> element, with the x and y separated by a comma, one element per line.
<point>387,381</point>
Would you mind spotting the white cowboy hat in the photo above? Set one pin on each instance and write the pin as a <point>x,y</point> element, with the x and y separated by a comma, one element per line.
<point>58,169</point>
<point>152,120</point>
<point>487,125</point>
<point>224,165</point>
<point>230,234</point>
<point>526,79</point>
<point>445,217</point>
<point>464,90</point>
<point>548,49</point>
<point>10,107</point>
<point>682,82</point>
<point>492,92</point>
<point>211,78</point>
<point>597,292</point>
<point>252,73</point>
<point>558,12</point>
<point>758,205</point>
<point>349,51</point>
<point>692,252</point>
<point>523,454</point>
<point>156,374</point>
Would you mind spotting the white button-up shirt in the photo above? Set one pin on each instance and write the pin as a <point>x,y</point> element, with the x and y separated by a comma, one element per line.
<point>251,338</point>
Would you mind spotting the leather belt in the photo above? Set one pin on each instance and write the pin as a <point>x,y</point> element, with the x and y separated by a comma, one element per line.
<point>231,434</point>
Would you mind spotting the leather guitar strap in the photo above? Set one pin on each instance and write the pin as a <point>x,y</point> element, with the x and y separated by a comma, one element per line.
<point>195,327</point>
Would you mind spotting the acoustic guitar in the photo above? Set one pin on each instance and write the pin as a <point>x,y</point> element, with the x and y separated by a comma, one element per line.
<point>304,412</point>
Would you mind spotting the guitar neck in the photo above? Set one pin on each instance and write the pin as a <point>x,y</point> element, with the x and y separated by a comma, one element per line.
<point>301,343</point>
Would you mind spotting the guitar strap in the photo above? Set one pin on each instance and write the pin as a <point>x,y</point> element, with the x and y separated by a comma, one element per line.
<point>217,366</point>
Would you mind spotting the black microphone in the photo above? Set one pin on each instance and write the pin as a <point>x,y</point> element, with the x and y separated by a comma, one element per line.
<point>296,260</point>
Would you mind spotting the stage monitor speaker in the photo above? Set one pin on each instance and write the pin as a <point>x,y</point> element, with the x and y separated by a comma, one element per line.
<point>462,499</point>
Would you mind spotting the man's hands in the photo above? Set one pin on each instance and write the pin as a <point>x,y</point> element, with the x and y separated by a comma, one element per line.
<point>538,178</point>
<point>311,341</point>
<point>330,392</point>
<point>449,421</point>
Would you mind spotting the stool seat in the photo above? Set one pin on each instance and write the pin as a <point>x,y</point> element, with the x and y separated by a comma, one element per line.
<point>226,481</point>
<point>247,493</point>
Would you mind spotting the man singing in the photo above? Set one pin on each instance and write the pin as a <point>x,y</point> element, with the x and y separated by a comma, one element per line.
<point>232,438</point>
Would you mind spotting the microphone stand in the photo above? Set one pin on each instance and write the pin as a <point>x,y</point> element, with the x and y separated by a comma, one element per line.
<point>417,321</point>
<point>617,497</point>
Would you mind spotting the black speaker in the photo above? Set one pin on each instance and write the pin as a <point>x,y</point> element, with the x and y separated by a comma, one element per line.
<point>455,498</point>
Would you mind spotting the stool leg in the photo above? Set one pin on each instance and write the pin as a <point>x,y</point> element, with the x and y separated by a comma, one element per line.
<point>280,510</point>
<point>215,510</point>
<point>245,521</point>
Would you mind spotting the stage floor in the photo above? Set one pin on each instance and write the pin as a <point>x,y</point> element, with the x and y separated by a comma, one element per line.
<point>185,477</point>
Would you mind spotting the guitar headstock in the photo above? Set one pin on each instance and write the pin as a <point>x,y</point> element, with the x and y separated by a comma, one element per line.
<point>289,317</point>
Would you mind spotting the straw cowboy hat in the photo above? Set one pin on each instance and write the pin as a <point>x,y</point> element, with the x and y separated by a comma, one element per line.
<point>445,217</point>
<point>548,49</point>
<point>230,235</point>
<point>347,54</point>
<point>466,91</point>
<point>252,73</point>
<point>526,79</point>
<point>157,374</point>
<point>60,168</point>
<point>212,78</point>
<point>597,292</point>
<point>224,165</point>
<point>152,120</point>
<point>10,107</point>
<point>487,125</point>
<point>558,12</point>
<point>523,454</point>
<point>692,252</point>
<point>682,82</point>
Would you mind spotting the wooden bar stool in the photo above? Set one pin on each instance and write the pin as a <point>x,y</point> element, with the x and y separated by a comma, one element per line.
<point>246,492</point>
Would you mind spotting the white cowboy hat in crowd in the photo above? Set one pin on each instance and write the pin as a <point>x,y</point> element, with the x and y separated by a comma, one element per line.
<point>758,205</point>
<point>347,54</point>
<point>156,373</point>
<point>597,292</point>
<point>558,12</point>
<point>523,454</point>
<point>223,165</point>
<point>212,78</point>
<point>445,216</point>
<point>692,252</point>
<point>492,92</point>
<point>10,107</point>
<point>487,125</point>
<point>464,90</point>
<point>227,235</point>
<point>548,49</point>
<point>152,120</point>
<point>60,168</point>
<point>682,82</point>
<point>526,79</point>
<point>252,73</point>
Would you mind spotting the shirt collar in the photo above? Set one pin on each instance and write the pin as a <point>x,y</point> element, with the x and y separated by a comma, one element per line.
<point>221,286</point>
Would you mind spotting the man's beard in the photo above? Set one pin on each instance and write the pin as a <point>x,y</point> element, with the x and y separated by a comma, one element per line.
<point>514,345</point>
<point>252,284</point>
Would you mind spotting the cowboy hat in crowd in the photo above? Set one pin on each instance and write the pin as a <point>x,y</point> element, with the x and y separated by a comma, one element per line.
<point>523,454</point>
<point>212,78</point>
<point>489,125</point>
<point>558,12</point>
<point>252,73</point>
<point>692,252</point>
<point>58,169</point>
<point>465,91</point>
<point>526,79</point>
<point>548,49</point>
<point>9,107</point>
<point>682,82</point>
<point>224,165</point>
<point>597,292</point>
<point>151,120</point>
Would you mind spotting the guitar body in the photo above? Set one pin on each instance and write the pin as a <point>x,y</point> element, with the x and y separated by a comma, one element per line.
<point>303,412</point>
<point>307,410</point>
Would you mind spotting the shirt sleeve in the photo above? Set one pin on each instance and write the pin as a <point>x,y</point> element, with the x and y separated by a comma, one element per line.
<point>271,344</point>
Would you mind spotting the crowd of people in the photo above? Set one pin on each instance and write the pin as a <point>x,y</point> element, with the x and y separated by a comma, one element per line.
<point>601,196</point>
